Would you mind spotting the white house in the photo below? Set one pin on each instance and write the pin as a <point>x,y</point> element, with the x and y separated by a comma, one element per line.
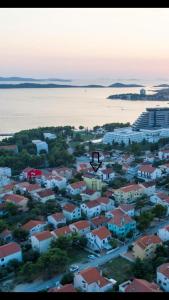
<point>76,188</point>
<point>91,208</point>
<point>163,233</point>
<point>25,186</point>
<point>149,187</point>
<point>163,154</point>
<point>4,180</point>
<point>148,172</point>
<point>91,280</point>
<point>41,241</point>
<point>52,181</point>
<point>5,171</point>
<point>62,172</point>
<point>98,239</point>
<point>161,198</point>
<point>40,145</point>
<point>90,195</point>
<point>34,226</point>
<point>71,212</point>
<point>44,195</point>
<point>107,174</point>
<point>50,136</point>
<point>105,203</point>
<point>163,276</point>
<point>9,252</point>
<point>56,219</point>
<point>82,227</point>
<point>63,231</point>
<point>129,209</point>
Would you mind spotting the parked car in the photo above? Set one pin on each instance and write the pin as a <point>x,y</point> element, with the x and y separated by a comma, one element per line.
<point>73,268</point>
<point>91,256</point>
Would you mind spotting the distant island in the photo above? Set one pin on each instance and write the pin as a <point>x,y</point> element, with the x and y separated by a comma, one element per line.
<point>14,78</point>
<point>123,85</point>
<point>164,85</point>
<point>160,95</point>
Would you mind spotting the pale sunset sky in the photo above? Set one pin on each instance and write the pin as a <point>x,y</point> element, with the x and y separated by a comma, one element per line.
<point>84,42</point>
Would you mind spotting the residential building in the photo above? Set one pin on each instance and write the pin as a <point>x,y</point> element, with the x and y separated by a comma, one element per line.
<point>57,219</point>
<point>128,209</point>
<point>107,174</point>
<point>163,233</point>
<point>91,208</point>
<point>149,187</point>
<point>76,188</point>
<point>99,221</point>
<point>89,195</point>
<point>81,227</point>
<point>26,187</point>
<point>44,195</point>
<point>66,288</point>
<point>148,172</point>
<point>40,146</point>
<point>41,241</point>
<point>145,246</point>
<point>105,203</point>
<point>6,236</point>
<point>93,182</point>
<point>98,239</point>
<point>63,231</point>
<point>5,171</point>
<point>30,173</point>
<point>122,135</point>
<point>162,199</point>
<point>9,252</point>
<point>129,193</point>
<point>10,148</point>
<point>163,276</point>
<point>52,181</point>
<point>71,212</point>
<point>120,223</point>
<point>138,285</point>
<point>163,154</point>
<point>20,201</point>
<point>91,280</point>
<point>34,226</point>
<point>62,172</point>
<point>50,136</point>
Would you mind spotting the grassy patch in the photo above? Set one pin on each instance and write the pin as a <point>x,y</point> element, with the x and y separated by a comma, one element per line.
<point>118,269</point>
<point>78,255</point>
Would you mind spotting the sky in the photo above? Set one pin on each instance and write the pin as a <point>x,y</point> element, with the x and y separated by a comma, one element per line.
<point>84,42</point>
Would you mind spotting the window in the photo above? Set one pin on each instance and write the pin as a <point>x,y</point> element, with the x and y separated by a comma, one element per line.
<point>2,259</point>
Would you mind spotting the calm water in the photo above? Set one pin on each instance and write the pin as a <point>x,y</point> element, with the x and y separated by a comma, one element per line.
<point>29,108</point>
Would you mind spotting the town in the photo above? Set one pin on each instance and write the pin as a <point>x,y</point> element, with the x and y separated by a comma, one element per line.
<point>67,227</point>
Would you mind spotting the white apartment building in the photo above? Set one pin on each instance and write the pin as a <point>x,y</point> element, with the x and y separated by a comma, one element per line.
<point>40,145</point>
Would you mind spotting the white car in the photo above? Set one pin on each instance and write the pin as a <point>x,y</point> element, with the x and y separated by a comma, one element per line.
<point>73,268</point>
<point>91,256</point>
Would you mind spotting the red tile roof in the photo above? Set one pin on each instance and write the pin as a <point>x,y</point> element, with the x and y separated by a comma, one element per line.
<point>148,184</point>
<point>147,240</point>
<point>58,216</point>
<point>147,169</point>
<point>67,288</point>
<point>126,207</point>
<point>69,207</point>
<point>130,188</point>
<point>164,269</point>
<point>164,197</point>
<point>99,220</point>
<point>92,275</point>
<point>92,203</point>
<point>141,285</point>
<point>108,171</point>
<point>46,193</point>
<point>9,147</point>
<point>44,235</point>
<point>9,249</point>
<point>102,232</point>
<point>90,192</point>
<point>5,233</point>
<point>62,231</point>
<point>80,225</point>
<point>120,218</point>
<point>31,224</point>
<point>14,198</point>
<point>78,185</point>
<point>103,200</point>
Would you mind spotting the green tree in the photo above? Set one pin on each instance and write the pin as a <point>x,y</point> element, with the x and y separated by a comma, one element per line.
<point>160,211</point>
<point>67,278</point>
<point>20,234</point>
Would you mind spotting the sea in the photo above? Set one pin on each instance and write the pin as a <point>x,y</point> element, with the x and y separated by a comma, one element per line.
<point>31,108</point>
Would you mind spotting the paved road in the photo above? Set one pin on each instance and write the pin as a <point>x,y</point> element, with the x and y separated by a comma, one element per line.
<point>42,285</point>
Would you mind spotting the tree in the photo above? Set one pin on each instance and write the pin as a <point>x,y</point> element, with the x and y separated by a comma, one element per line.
<point>67,278</point>
<point>20,234</point>
<point>62,242</point>
<point>113,243</point>
<point>28,272</point>
<point>3,225</point>
<point>81,127</point>
<point>160,211</point>
<point>144,220</point>
<point>11,209</point>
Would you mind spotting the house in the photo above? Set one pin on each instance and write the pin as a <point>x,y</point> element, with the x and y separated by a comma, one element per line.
<point>4,180</point>
<point>163,154</point>
<point>44,195</point>
<point>81,227</point>
<point>6,236</point>
<point>93,182</point>
<point>20,201</point>
<point>66,288</point>
<point>52,181</point>
<point>56,219</point>
<point>99,221</point>
<point>30,173</point>
<point>3,211</point>
<point>76,188</point>
<point>91,208</point>
<point>105,203</point>
<point>128,209</point>
<point>120,223</point>
<point>148,172</point>
<point>89,195</point>
<point>50,136</point>
<point>129,193</point>
<point>149,187</point>
<point>161,198</point>
<point>107,174</point>
<point>63,231</point>
<point>7,189</point>
<point>62,172</point>
<point>163,276</point>
<point>10,148</point>
<point>71,212</point>
<point>138,285</point>
<point>34,226</point>
<point>40,146</point>
<point>9,252</point>
<point>26,187</point>
<point>91,280</point>
<point>98,239</point>
<point>41,241</point>
<point>145,246</point>
<point>163,233</point>
<point>5,171</point>
<point>82,167</point>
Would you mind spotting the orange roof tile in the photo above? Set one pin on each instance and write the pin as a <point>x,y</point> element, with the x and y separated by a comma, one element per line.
<point>9,249</point>
<point>147,169</point>
<point>81,224</point>
<point>69,207</point>
<point>31,224</point>
<point>67,288</point>
<point>91,275</point>
<point>164,269</point>
<point>44,235</point>
<point>101,232</point>
<point>141,285</point>
<point>62,231</point>
<point>146,240</point>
